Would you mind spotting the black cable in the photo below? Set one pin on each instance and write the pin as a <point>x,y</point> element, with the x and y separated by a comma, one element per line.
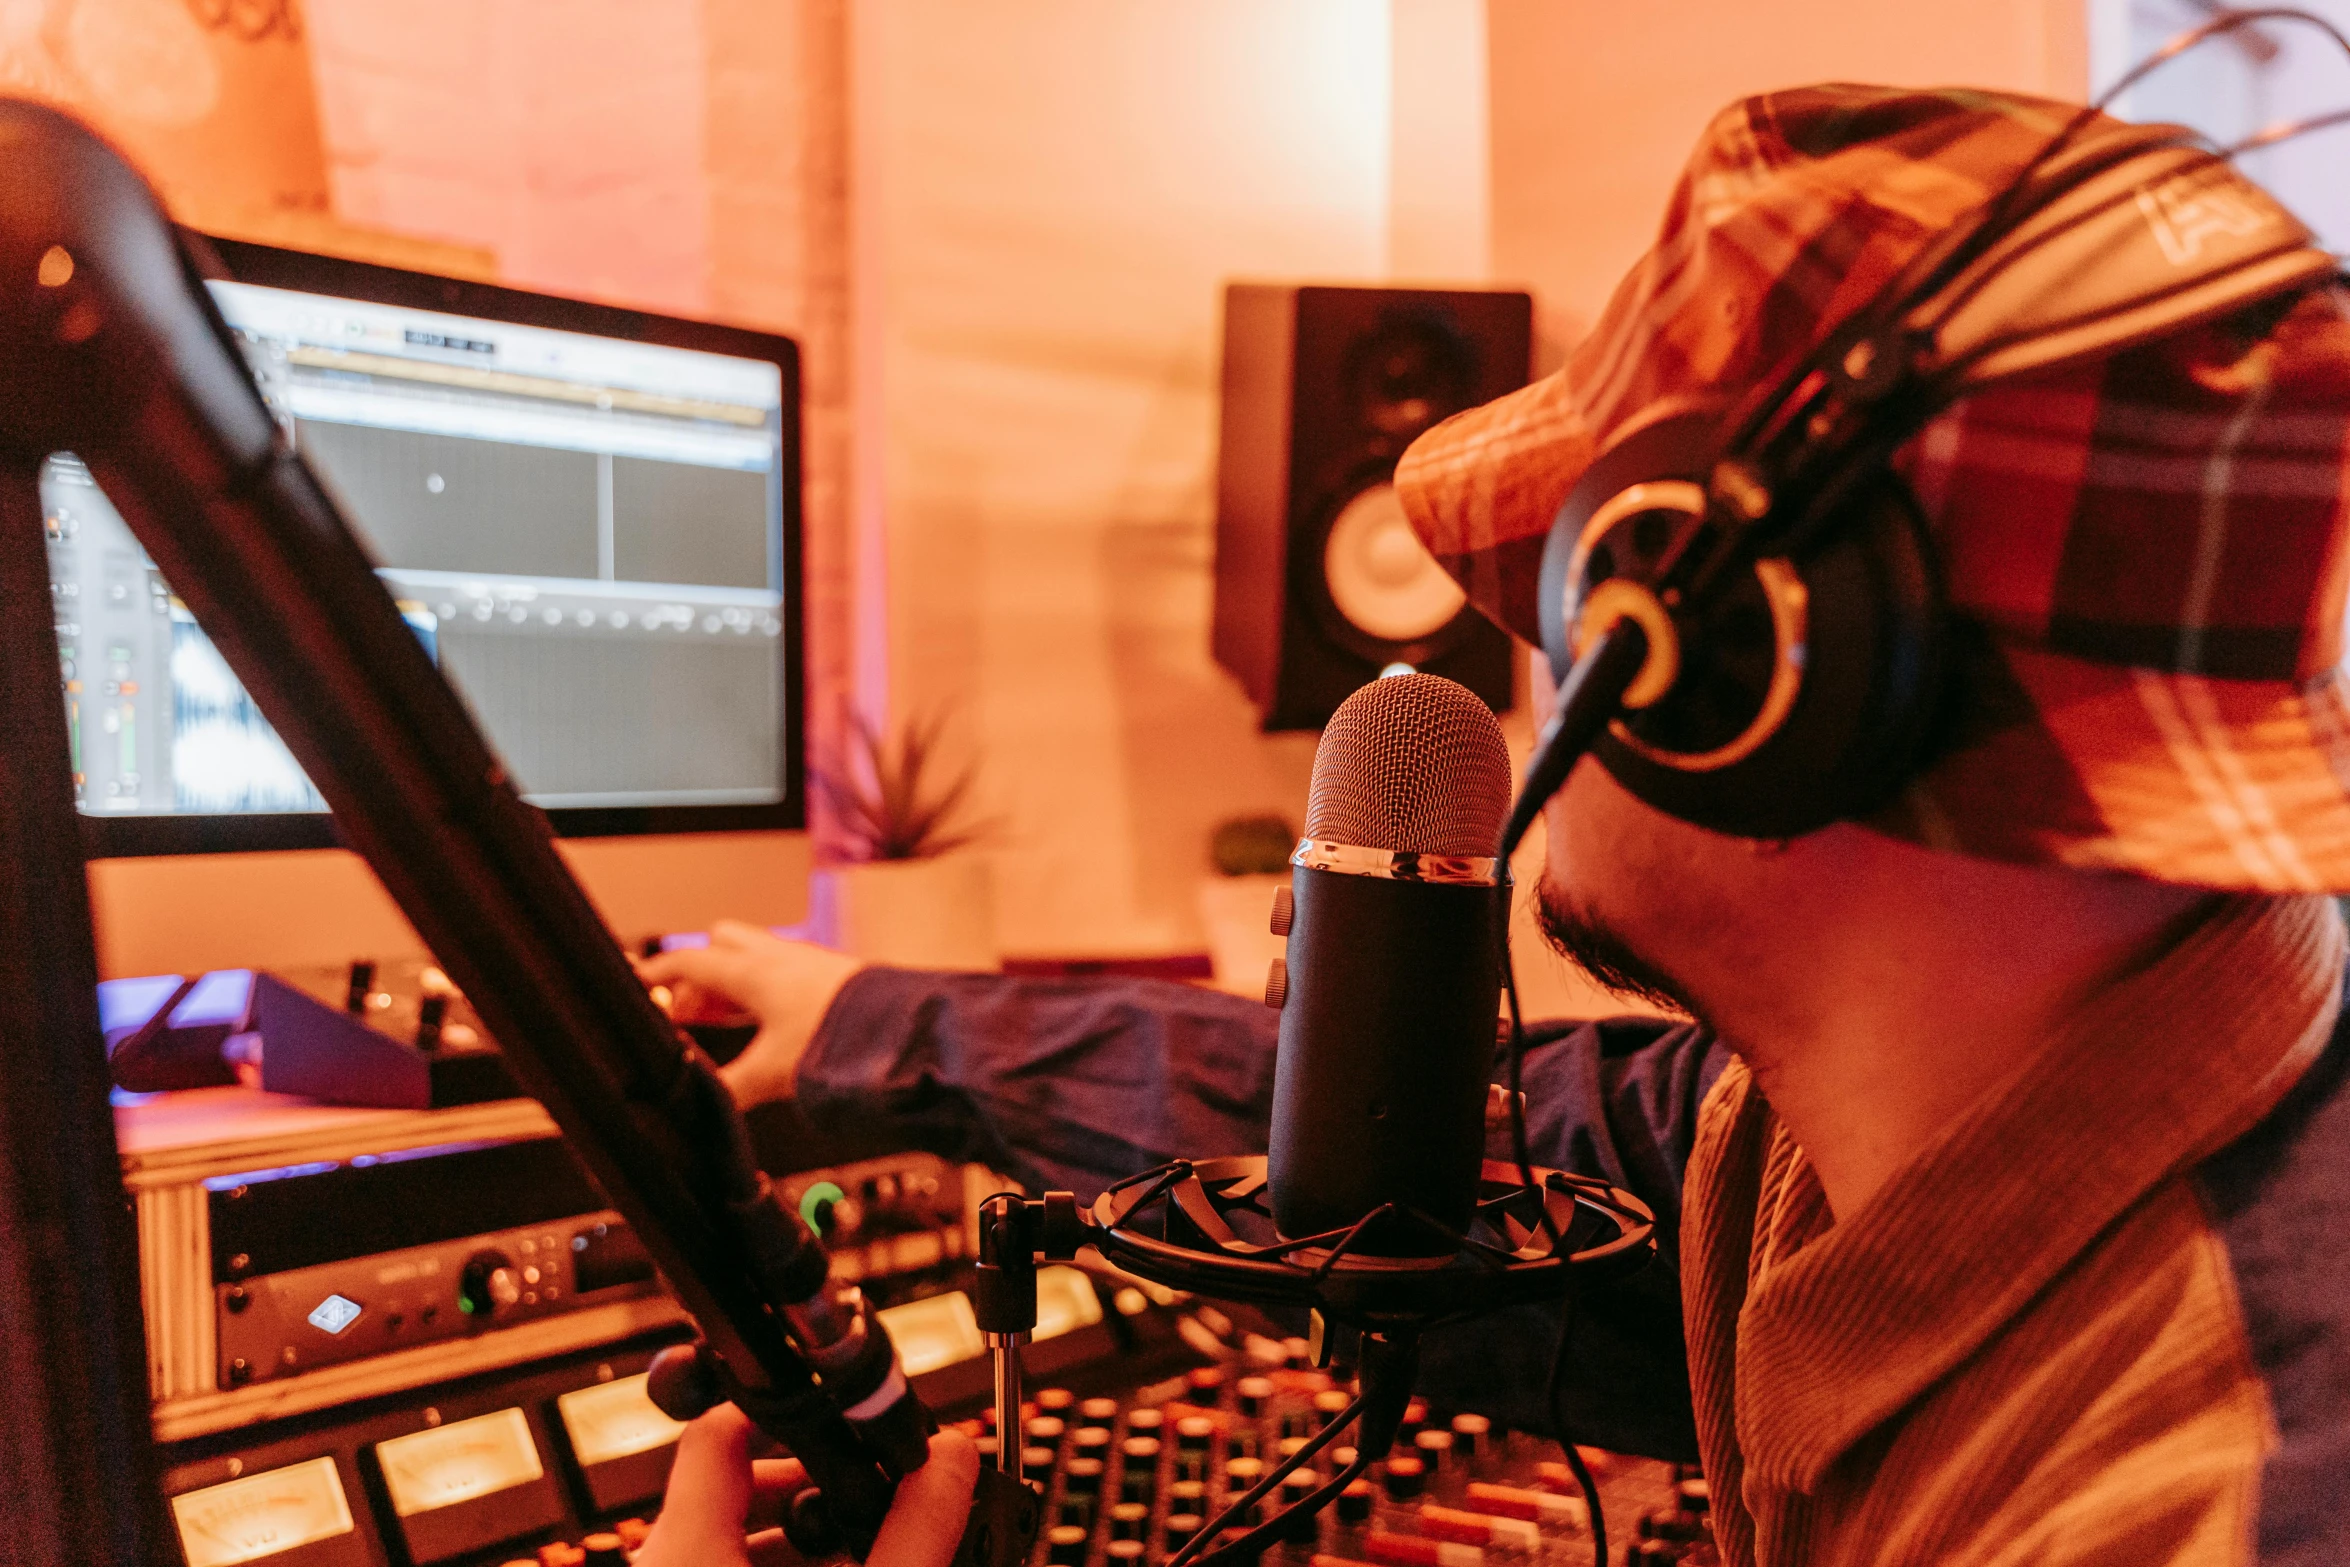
<point>2285,132</point>
<point>1193,1549</point>
<point>1566,1440</point>
<point>1520,1147</point>
<point>1265,1533</point>
<point>2225,22</point>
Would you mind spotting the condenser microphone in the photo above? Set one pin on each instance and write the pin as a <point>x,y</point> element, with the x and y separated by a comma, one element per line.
<point>1396,916</point>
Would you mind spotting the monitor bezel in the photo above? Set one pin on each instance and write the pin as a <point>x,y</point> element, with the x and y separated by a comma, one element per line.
<point>268,266</point>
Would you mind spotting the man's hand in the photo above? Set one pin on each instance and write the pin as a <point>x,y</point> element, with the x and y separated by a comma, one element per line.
<point>723,1510</point>
<point>784,986</point>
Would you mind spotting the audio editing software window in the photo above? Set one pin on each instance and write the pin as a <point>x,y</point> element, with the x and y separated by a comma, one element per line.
<point>585,533</point>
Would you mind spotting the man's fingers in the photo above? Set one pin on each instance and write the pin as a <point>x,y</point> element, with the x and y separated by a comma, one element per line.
<point>738,934</point>
<point>769,1548</point>
<point>774,1482</point>
<point>763,1071</point>
<point>703,974</point>
<point>709,1493</point>
<point>926,1522</point>
<point>689,965</point>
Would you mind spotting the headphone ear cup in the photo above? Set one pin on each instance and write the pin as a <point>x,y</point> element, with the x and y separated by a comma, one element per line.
<point>1675,444</point>
<point>1869,669</point>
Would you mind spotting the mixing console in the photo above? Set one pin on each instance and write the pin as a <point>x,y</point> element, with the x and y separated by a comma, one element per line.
<point>1128,1481</point>
<point>316,1411</point>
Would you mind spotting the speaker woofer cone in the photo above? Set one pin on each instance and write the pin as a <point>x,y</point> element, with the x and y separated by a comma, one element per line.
<point>1380,578</point>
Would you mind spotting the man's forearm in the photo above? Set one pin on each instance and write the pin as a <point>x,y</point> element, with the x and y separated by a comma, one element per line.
<point>1059,1083</point>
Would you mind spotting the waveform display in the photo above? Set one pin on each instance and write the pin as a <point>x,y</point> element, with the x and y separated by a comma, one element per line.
<point>225,757</point>
<point>224,754</point>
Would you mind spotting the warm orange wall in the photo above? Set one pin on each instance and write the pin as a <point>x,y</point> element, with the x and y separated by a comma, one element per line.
<point>1000,231</point>
<point>223,120</point>
<point>1052,196</point>
<point>682,154</point>
<point>1596,104</point>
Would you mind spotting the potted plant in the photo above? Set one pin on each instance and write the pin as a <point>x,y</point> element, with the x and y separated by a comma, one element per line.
<point>1250,855</point>
<point>897,881</point>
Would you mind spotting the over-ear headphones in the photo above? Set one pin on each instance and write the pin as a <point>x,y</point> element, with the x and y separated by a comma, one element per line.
<point>1741,599</point>
<point>1799,692</point>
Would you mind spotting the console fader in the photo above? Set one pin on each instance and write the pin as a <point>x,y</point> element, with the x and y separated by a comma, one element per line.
<point>1130,1480</point>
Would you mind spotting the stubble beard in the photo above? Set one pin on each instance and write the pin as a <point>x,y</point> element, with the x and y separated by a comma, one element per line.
<point>1586,939</point>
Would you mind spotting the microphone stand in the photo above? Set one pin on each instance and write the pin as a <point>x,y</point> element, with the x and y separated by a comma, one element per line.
<point>110,348</point>
<point>75,1461</point>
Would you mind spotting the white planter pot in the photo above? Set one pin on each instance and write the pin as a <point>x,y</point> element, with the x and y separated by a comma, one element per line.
<point>929,914</point>
<point>1237,912</point>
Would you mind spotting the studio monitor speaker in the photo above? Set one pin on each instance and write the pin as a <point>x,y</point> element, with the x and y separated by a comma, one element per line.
<point>1320,582</point>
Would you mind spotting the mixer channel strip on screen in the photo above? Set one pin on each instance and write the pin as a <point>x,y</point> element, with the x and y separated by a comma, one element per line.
<point>1129,1481</point>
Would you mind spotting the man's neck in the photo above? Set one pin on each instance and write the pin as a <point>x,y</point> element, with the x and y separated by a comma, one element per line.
<point>1916,994</point>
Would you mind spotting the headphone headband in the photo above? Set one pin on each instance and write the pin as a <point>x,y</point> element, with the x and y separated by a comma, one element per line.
<point>2097,245</point>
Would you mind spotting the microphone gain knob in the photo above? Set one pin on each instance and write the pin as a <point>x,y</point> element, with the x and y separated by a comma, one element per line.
<point>1277,984</point>
<point>488,1285</point>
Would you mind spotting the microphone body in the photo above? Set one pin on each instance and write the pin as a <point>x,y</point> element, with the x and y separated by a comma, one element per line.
<point>1399,911</point>
<point>1386,1047</point>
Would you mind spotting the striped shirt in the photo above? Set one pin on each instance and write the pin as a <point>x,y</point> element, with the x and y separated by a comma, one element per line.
<point>2036,1343</point>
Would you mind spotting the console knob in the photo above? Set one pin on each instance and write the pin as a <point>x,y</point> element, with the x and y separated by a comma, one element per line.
<point>431,1013</point>
<point>361,984</point>
<point>489,1285</point>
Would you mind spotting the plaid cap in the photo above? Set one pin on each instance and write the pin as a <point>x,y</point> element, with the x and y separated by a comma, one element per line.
<point>2144,551</point>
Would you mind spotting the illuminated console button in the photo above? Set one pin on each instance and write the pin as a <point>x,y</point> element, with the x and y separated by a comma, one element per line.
<point>334,1314</point>
<point>1405,1477</point>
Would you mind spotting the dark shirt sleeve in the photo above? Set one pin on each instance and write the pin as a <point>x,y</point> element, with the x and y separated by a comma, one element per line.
<point>1073,1084</point>
<point>1617,1099</point>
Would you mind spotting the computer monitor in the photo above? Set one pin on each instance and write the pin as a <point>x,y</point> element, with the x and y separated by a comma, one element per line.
<point>589,515</point>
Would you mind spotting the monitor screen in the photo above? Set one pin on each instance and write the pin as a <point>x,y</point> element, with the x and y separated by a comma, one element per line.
<point>588,515</point>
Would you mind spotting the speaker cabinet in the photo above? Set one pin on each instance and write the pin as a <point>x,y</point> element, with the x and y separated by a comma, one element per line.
<point>1320,582</point>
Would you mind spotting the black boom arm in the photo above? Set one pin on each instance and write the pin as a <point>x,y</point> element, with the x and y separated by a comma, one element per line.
<point>110,348</point>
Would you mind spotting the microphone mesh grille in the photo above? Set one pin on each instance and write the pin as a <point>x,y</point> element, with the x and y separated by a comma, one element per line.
<point>1413,763</point>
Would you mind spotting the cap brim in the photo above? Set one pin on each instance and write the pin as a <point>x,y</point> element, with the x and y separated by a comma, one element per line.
<point>1481,490</point>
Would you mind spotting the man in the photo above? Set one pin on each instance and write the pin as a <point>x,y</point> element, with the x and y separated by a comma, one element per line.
<point>2004,1179</point>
